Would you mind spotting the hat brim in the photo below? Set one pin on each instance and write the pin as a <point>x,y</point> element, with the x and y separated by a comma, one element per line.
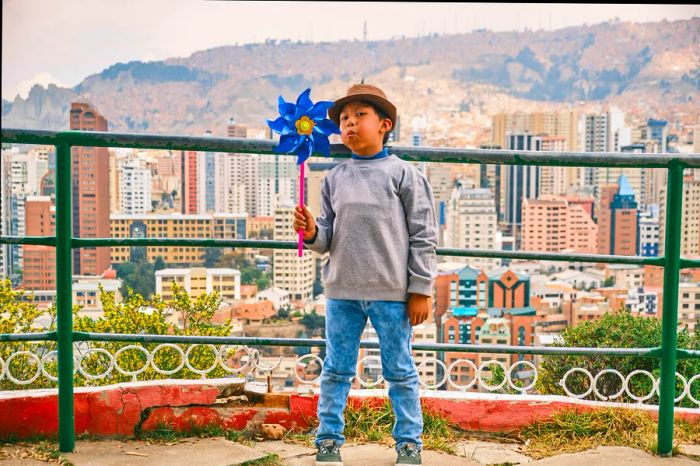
<point>385,105</point>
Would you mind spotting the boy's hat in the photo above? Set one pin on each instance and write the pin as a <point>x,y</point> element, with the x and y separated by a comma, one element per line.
<point>365,92</point>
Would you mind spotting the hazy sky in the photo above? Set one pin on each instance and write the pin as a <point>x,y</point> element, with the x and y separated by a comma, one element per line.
<point>63,41</point>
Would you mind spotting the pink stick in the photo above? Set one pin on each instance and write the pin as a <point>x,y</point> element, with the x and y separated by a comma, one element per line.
<point>301,204</point>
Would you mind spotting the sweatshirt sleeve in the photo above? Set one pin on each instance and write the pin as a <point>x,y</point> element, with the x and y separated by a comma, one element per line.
<point>418,203</point>
<point>321,243</point>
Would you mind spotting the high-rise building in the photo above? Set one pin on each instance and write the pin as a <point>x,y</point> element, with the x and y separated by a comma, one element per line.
<point>470,223</point>
<point>648,233</point>
<point>6,268</point>
<point>604,217</point>
<point>90,192</point>
<point>521,181</point>
<point>596,132</point>
<point>552,224</point>
<point>39,262</point>
<point>623,220</point>
<point>605,132</point>
<point>290,272</point>
<point>657,130</point>
<point>114,188</point>
<point>135,189</point>
<point>26,171</point>
<point>555,179</point>
<point>556,124</point>
<point>689,217</point>
<point>190,184</point>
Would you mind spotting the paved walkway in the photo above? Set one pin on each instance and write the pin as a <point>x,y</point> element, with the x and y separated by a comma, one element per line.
<point>221,452</point>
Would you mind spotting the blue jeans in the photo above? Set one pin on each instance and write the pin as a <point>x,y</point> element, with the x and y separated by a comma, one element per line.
<point>345,321</point>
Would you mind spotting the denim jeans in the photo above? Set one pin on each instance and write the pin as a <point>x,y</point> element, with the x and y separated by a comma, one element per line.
<point>345,322</point>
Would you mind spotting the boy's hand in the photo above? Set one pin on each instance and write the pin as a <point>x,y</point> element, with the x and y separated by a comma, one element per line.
<point>304,220</point>
<point>418,307</point>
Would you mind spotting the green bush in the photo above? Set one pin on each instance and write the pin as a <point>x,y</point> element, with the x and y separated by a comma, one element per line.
<point>619,329</point>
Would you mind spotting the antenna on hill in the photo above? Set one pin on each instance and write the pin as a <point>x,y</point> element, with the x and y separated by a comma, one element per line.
<point>364,32</point>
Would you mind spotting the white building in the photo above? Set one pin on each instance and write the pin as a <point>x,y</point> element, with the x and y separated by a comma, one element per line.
<point>5,213</point>
<point>582,280</point>
<point>199,280</point>
<point>290,272</point>
<point>648,234</point>
<point>134,189</point>
<point>277,296</point>
<point>471,224</point>
<point>255,183</point>
<point>27,170</point>
<point>626,276</point>
<point>689,305</point>
<point>86,293</point>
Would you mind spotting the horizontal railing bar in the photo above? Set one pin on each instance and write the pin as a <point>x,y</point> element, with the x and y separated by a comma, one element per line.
<point>271,244</point>
<point>33,240</point>
<point>222,243</point>
<point>687,354</point>
<point>418,154</point>
<point>315,342</point>
<point>690,263</point>
<point>252,341</point>
<point>38,336</point>
<point>547,256</point>
<point>563,257</point>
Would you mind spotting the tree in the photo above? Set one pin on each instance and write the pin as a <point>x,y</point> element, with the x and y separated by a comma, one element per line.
<point>159,263</point>
<point>318,288</point>
<point>618,329</point>
<point>313,323</point>
<point>135,315</point>
<point>138,276</point>
<point>212,256</point>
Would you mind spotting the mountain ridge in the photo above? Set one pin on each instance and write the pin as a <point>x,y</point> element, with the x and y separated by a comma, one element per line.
<point>652,64</point>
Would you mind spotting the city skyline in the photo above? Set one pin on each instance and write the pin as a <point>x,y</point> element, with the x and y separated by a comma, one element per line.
<point>80,39</point>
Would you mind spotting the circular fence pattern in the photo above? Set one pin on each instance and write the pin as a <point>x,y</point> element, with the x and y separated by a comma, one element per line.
<point>247,359</point>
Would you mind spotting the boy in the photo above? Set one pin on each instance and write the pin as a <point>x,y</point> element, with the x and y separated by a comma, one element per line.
<point>377,221</point>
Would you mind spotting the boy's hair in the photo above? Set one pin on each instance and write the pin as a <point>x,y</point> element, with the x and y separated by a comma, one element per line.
<point>382,115</point>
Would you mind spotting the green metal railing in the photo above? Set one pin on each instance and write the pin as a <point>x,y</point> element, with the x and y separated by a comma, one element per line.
<point>64,242</point>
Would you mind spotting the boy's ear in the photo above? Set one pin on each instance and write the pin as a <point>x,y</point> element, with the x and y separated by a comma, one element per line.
<point>388,124</point>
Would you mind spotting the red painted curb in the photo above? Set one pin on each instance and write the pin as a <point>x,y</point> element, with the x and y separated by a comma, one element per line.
<point>118,410</point>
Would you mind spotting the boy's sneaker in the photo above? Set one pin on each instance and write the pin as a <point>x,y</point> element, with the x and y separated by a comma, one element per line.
<point>328,454</point>
<point>408,453</point>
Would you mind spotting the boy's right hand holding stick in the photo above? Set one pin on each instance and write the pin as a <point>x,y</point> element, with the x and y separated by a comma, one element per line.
<point>304,220</point>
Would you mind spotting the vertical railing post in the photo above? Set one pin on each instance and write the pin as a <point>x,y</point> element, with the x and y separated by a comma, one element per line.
<point>64,298</point>
<point>669,324</point>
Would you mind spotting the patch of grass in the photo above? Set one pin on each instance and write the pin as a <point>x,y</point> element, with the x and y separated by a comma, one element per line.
<point>167,434</point>
<point>271,459</point>
<point>163,433</point>
<point>366,424</point>
<point>569,431</point>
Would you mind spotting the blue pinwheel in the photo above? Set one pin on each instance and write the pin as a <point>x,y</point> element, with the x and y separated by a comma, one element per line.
<point>304,130</point>
<point>303,127</point>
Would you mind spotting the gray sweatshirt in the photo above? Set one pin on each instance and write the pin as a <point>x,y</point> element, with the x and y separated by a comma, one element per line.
<point>378,222</point>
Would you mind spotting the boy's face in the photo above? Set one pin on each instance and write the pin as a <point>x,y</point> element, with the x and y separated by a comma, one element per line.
<point>361,129</point>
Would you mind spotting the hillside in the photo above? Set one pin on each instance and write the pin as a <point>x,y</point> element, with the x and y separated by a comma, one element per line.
<point>653,67</point>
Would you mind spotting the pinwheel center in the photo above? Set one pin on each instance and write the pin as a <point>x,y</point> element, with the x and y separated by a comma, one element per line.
<point>305,126</point>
